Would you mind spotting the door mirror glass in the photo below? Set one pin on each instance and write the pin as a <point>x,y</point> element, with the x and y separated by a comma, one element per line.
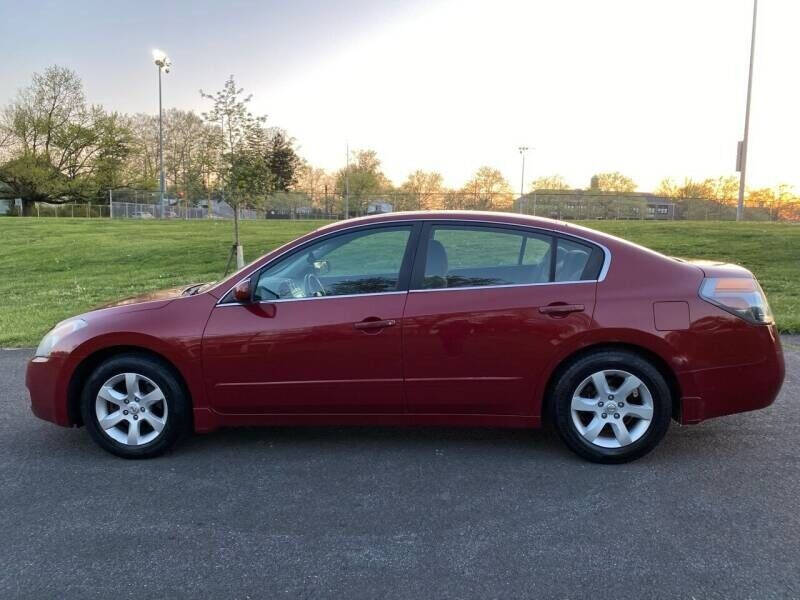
<point>242,292</point>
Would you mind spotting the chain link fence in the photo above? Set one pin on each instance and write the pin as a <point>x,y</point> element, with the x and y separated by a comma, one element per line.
<point>562,205</point>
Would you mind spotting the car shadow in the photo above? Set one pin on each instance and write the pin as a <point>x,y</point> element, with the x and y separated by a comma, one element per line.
<point>379,437</point>
<point>701,442</point>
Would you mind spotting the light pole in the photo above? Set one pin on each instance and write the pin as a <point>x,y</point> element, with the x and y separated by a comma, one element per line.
<point>741,155</point>
<point>522,150</point>
<point>163,63</point>
<point>347,182</point>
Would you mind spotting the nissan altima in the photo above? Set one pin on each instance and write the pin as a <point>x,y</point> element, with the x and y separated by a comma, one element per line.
<point>435,318</point>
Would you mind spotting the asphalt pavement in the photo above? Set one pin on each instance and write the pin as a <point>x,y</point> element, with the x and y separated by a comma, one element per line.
<point>714,512</point>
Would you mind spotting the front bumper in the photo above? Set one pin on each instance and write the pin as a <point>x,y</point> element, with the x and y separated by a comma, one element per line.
<point>45,380</point>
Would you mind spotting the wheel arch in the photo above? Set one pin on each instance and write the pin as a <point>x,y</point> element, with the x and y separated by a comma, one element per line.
<point>658,362</point>
<point>89,362</point>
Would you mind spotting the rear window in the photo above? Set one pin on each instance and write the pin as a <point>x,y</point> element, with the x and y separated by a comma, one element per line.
<point>571,260</point>
<point>476,256</point>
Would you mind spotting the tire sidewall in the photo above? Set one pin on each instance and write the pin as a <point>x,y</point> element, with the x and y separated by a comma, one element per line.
<point>177,405</point>
<point>612,360</point>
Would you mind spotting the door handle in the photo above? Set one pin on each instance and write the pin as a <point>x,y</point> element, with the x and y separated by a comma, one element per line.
<point>560,309</point>
<point>372,324</point>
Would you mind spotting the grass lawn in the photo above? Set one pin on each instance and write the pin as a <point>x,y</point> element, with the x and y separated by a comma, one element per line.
<point>54,268</point>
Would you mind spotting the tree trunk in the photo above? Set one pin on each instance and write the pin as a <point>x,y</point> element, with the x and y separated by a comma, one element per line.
<point>28,207</point>
<point>236,244</point>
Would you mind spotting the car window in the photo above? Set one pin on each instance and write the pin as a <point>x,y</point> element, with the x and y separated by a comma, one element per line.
<point>469,256</point>
<point>362,262</point>
<point>571,260</point>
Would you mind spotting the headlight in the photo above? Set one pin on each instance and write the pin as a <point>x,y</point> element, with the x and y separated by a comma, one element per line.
<point>58,333</point>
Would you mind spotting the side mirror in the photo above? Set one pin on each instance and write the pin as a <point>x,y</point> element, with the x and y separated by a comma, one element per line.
<point>243,292</point>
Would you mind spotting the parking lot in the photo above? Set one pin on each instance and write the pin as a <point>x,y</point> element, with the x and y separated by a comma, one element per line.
<point>401,513</point>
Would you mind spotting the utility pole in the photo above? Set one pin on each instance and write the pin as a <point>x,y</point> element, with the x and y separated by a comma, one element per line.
<point>741,155</point>
<point>347,182</point>
<point>522,151</point>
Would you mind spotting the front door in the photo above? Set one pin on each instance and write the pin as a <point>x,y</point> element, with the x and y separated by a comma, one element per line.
<point>323,334</point>
<point>487,308</point>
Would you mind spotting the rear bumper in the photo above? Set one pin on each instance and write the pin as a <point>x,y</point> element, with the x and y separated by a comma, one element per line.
<point>44,379</point>
<point>716,392</point>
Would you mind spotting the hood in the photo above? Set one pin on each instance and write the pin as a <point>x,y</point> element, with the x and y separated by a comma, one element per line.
<point>158,298</point>
<point>713,268</point>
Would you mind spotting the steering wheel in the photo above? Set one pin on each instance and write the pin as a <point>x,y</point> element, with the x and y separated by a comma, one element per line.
<point>313,286</point>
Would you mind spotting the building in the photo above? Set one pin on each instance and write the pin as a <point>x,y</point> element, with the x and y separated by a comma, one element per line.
<point>379,207</point>
<point>592,204</point>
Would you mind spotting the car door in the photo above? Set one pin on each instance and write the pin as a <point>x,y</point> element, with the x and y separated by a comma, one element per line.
<point>488,306</point>
<point>323,332</point>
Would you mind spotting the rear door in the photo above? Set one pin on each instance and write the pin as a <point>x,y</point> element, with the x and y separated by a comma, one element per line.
<point>487,307</point>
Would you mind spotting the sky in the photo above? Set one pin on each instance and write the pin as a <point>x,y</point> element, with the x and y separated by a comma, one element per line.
<point>650,88</point>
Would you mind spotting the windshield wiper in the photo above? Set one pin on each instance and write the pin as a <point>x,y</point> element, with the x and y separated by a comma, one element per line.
<point>196,288</point>
<point>192,289</point>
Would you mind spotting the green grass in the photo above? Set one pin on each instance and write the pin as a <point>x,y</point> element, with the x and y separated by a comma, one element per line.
<point>54,268</point>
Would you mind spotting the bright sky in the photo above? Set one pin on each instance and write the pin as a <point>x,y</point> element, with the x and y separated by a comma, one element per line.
<point>650,88</point>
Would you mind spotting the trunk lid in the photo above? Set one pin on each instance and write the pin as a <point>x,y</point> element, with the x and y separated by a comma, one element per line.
<point>713,268</point>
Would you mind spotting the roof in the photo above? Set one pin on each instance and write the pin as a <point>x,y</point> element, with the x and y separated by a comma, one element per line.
<point>465,215</point>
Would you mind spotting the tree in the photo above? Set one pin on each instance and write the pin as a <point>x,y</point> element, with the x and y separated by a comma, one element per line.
<point>667,187</point>
<point>187,152</point>
<point>775,201</point>
<point>319,185</point>
<point>725,189</point>
<point>116,147</point>
<point>144,160</point>
<point>282,161</point>
<point>612,182</point>
<point>487,190</point>
<point>243,170</point>
<point>710,194</point>
<point>426,190</point>
<point>550,182</point>
<point>361,180</point>
<point>58,149</point>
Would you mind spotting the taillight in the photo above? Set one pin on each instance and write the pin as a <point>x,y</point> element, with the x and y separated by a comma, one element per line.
<point>741,296</point>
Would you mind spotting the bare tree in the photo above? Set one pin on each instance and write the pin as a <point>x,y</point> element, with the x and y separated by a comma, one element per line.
<point>242,171</point>
<point>550,182</point>
<point>612,182</point>
<point>426,188</point>
<point>487,190</point>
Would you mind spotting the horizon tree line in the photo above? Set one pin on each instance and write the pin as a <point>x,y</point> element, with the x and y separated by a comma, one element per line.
<point>55,147</point>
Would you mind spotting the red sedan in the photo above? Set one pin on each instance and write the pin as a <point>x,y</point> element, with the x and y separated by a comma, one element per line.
<point>444,318</point>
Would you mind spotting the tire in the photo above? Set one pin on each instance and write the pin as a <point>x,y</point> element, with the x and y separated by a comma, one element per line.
<point>593,422</point>
<point>144,389</point>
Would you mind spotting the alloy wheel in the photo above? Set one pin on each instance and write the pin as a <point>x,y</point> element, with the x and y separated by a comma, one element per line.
<point>612,408</point>
<point>131,409</point>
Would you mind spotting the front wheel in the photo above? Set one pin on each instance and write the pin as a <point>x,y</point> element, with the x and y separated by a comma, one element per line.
<point>134,407</point>
<point>612,406</point>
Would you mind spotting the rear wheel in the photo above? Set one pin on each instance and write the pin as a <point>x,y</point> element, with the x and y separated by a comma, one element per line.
<point>612,406</point>
<point>134,407</point>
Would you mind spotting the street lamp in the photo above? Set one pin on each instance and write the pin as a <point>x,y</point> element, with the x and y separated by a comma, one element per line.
<point>522,150</point>
<point>163,63</point>
<point>741,155</point>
